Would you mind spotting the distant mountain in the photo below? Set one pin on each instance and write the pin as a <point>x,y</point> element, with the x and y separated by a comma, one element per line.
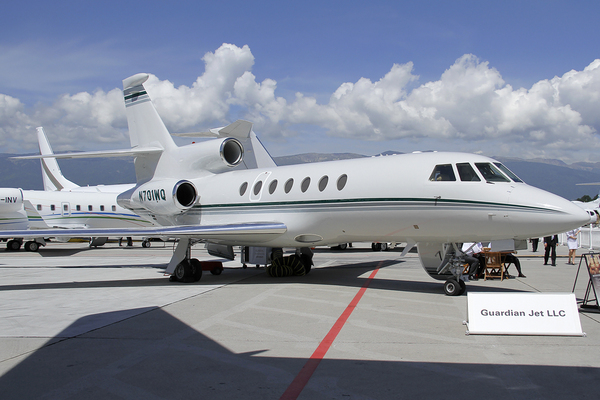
<point>554,176</point>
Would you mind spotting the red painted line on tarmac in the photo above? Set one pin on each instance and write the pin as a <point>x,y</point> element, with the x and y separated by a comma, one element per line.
<point>298,384</point>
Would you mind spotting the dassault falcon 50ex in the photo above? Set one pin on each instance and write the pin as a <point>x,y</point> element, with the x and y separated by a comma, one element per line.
<point>208,190</point>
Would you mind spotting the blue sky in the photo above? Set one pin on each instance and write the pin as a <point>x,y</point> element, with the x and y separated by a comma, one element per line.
<point>476,76</point>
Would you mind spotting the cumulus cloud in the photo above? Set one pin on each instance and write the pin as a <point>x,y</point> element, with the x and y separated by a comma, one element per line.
<point>470,107</point>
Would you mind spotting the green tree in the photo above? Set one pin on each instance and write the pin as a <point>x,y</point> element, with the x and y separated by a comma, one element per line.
<point>586,198</point>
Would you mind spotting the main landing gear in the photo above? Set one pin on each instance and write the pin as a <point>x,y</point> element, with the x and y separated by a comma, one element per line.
<point>184,268</point>
<point>30,245</point>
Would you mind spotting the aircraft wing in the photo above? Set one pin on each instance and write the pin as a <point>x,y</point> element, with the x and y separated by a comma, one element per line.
<point>244,232</point>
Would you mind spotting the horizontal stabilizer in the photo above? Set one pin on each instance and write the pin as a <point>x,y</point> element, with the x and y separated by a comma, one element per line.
<point>98,154</point>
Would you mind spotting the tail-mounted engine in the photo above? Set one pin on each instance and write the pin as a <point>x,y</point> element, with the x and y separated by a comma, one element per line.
<point>215,155</point>
<point>162,197</point>
<point>11,200</point>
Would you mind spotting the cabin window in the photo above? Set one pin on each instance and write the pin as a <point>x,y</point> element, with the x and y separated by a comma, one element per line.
<point>78,207</point>
<point>273,186</point>
<point>65,207</point>
<point>288,185</point>
<point>90,208</point>
<point>257,188</point>
<point>114,208</point>
<point>101,208</point>
<point>243,188</point>
<point>467,173</point>
<point>39,207</point>
<point>442,172</point>
<point>52,207</point>
<point>305,184</point>
<point>341,182</point>
<point>323,183</point>
<point>508,172</point>
<point>491,173</point>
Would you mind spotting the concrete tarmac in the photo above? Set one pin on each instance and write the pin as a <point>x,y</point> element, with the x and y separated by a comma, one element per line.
<point>79,323</point>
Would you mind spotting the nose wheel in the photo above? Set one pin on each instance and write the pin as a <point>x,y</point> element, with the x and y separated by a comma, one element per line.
<point>453,287</point>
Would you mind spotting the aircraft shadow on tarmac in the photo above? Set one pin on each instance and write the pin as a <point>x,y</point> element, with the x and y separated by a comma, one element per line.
<point>329,275</point>
<point>156,356</point>
<point>49,252</point>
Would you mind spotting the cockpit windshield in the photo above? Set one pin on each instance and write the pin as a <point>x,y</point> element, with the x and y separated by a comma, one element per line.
<point>442,172</point>
<point>508,172</point>
<point>467,173</point>
<point>491,173</point>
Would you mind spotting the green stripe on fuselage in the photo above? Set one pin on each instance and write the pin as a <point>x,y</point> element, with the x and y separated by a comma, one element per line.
<point>379,201</point>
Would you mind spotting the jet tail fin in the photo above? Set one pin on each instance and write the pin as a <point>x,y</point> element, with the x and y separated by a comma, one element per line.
<point>146,128</point>
<point>145,125</point>
<point>52,176</point>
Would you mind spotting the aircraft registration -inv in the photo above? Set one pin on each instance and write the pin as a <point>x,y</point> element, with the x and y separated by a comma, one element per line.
<point>554,314</point>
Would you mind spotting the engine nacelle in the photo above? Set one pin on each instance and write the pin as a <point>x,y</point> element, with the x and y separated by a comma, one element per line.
<point>11,200</point>
<point>215,155</point>
<point>162,197</point>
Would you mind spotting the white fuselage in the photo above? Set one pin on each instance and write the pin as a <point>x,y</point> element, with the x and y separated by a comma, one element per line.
<point>78,209</point>
<point>388,198</point>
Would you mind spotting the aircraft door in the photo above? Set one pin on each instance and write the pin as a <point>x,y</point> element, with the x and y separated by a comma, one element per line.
<point>65,209</point>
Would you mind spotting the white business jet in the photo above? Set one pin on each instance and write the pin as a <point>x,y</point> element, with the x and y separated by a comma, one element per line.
<point>434,200</point>
<point>62,204</point>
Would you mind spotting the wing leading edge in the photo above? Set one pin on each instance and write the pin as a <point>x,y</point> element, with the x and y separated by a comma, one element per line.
<point>245,232</point>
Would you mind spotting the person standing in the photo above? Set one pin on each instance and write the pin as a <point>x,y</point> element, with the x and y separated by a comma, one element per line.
<point>550,246</point>
<point>573,245</point>
<point>534,243</point>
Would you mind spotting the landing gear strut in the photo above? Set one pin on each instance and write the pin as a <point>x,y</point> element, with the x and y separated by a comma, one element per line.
<point>184,268</point>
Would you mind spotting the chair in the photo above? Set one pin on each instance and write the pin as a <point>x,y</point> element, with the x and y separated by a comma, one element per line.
<point>494,268</point>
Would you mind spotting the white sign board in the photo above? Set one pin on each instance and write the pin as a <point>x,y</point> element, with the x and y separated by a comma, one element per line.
<point>523,314</point>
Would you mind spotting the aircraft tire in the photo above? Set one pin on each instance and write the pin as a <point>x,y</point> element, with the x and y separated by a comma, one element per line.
<point>32,246</point>
<point>183,271</point>
<point>306,262</point>
<point>216,271</point>
<point>196,271</point>
<point>463,287</point>
<point>451,287</point>
<point>13,245</point>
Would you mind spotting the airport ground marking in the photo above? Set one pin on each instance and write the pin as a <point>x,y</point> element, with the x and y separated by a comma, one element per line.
<point>298,384</point>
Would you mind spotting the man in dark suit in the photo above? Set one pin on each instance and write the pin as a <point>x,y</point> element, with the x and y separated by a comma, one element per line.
<point>550,246</point>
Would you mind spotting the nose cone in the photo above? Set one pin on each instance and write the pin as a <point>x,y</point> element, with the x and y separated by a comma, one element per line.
<point>538,213</point>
